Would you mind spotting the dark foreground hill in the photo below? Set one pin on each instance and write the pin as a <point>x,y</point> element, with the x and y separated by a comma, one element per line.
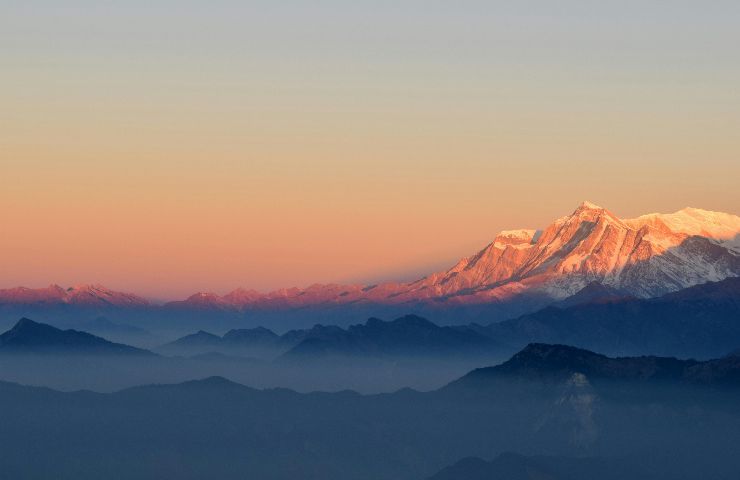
<point>547,401</point>
<point>546,362</point>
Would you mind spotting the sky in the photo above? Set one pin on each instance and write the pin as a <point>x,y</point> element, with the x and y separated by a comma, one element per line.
<point>167,147</point>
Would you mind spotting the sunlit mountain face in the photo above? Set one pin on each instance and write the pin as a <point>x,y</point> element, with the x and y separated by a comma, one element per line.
<point>644,257</point>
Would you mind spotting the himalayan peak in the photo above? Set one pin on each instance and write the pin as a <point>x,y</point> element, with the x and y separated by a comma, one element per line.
<point>645,256</point>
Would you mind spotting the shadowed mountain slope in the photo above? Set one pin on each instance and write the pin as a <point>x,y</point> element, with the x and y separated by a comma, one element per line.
<point>28,336</point>
<point>539,361</point>
<point>259,341</point>
<point>405,336</point>
<point>701,321</point>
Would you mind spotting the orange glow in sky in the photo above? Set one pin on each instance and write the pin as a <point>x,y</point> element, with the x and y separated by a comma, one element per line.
<point>343,143</point>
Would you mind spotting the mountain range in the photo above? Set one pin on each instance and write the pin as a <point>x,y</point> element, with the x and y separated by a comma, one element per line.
<point>526,269</point>
<point>28,336</point>
<point>260,342</point>
<point>407,336</point>
<point>555,401</point>
<point>645,257</point>
<point>560,363</point>
<point>81,295</point>
<point>700,321</point>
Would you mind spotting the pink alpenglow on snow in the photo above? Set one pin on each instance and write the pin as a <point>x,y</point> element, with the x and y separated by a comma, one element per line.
<point>645,256</point>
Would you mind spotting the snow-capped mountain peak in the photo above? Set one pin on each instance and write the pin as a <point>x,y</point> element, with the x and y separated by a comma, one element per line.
<point>586,205</point>
<point>694,221</point>
<point>83,294</point>
<point>645,256</point>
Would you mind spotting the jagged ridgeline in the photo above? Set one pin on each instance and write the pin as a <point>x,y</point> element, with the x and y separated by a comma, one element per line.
<point>520,271</point>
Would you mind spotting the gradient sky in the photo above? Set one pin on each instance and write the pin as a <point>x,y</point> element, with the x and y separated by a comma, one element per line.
<point>166,147</point>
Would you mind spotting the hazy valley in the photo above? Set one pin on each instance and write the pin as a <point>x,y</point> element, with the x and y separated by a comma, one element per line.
<point>567,353</point>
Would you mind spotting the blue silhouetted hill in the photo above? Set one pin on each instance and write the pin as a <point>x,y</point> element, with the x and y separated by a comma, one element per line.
<point>28,336</point>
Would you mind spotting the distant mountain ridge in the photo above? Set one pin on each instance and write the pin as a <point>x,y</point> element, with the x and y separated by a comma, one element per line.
<point>260,342</point>
<point>84,295</point>
<point>409,335</point>
<point>700,321</point>
<point>405,336</point>
<point>29,337</point>
<point>642,257</point>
